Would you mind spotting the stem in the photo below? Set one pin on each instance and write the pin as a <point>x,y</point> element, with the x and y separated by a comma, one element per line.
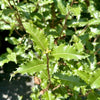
<point>53,15</point>
<point>64,26</point>
<point>83,30</point>
<point>18,18</point>
<point>10,4</point>
<point>56,87</point>
<point>48,68</point>
<point>97,51</point>
<point>98,63</point>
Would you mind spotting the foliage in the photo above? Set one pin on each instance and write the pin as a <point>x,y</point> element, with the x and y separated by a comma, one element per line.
<point>58,42</point>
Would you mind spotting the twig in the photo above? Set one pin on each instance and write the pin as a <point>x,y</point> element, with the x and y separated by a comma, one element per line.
<point>44,90</point>
<point>18,33</point>
<point>48,68</point>
<point>56,39</point>
<point>84,29</point>
<point>64,26</point>
<point>56,87</point>
<point>10,4</point>
<point>53,15</point>
<point>18,1</point>
<point>98,63</point>
<point>96,38</point>
<point>9,23</point>
<point>19,18</point>
<point>97,51</point>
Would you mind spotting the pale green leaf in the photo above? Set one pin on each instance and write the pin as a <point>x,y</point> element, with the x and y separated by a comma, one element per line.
<point>31,67</point>
<point>12,57</point>
<point>78,24</point>
<point>45,2</point>
<point>83,75</point>
<point>61,7</point>
<point>48,96</point>
<point>79,46</point>
<point>95,31</point>
<point>94,13</point>
<point>94,22</point>
<point>76,11</point>
<point>95,79</point>
<point>37,36</point>
<point>67,52</point>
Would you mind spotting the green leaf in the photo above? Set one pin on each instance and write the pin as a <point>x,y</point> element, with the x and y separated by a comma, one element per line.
<point>61,7</point>
<point>94,13</point>
<point>31,67</point>
<point>94,22</point>
<point>12,57</point>
<point>3,59</point>
<point>37,36</point>
<point>8,11</point>
<point>95,79</point>
<point>92,96</point>
<point>72,79</point>
<point>78,23</point>
<point>79,46</point>
<point>76,11</point>
<point>83,75</point>
<point>67,52</point>
<point>94,31</point>
<point>45,2</point>
<point>48,96</point>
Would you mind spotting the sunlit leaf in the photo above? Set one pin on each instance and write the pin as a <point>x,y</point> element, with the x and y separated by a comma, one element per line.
<point>31,67</point>
<point>67,52</point>
<point>37,35</point>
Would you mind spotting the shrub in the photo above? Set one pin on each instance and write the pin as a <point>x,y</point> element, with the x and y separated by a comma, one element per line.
<point>58,44</point>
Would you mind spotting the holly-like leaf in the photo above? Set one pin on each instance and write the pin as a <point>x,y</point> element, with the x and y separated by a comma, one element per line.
<point>83,75</point>
<point>61,7</point>
<point>37,36</point>
<point>48,96</point>
<point>95,31</point>
<point>95,79</point>
<point>75,23</point>
<point>67,52</point>
<point>31,67</point>
<point>76,11</point>
<point>71,79</point>
<point>12,57</point>
<point>94,22</point>
<point>45,2</point>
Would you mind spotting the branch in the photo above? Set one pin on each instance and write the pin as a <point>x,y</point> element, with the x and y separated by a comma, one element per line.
<point>53,15</point>
<point>48,68</point>
<point>10,4</point>
<point>98,63</point>
<point>9,23</point>
<point>56,87</point>
<point>66,17</point>
<point>97,51</point>
<point>18,18</point>
<point>96,38</point>
<point>18,33</point>
<point>84,29</point>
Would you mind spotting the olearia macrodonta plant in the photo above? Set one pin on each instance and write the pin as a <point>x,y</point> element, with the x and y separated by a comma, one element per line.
<point>58,44</point>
